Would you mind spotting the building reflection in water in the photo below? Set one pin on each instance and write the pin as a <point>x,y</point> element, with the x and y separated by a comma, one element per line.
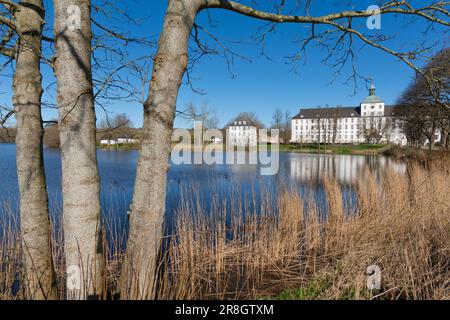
<point>346,169</point>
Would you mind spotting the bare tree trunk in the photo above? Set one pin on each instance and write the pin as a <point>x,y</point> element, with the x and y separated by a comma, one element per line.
<point>148,209</point>
<point>80,180</point>
<point>27,87</point>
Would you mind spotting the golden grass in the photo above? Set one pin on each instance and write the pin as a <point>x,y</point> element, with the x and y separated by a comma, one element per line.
<point>400,223</point>
<point>258,245</point>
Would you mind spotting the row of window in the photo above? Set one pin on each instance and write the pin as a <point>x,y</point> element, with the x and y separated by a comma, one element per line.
<point>339,127</point>
<point>316,137</point>
<point>241,134</point>
<point>241,128</point>
<point>342,120</point>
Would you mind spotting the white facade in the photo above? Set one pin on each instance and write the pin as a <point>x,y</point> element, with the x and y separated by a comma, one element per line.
<point>372,122</point>
<point>242,133</point>
<point>127,141</point>
<point>119,141</point>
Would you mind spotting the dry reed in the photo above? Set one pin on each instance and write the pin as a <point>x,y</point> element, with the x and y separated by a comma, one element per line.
<point>258,244</point>
<point>400,223</point>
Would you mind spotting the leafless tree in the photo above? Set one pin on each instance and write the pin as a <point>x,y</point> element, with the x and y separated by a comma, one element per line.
<point>170,65</point>
<point>120,120</point>
<point>426,113</point>
<point>250,117</point>
<point>205,114</point>
<point>107,78</point>
<point>277,119</point>
<point>22,23</point>
<point>83,242</point>
<point>282,121</point>
<point>287,127</point>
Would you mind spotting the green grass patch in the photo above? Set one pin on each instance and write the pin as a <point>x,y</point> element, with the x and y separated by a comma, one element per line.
<point>312,291</point>
<point>335,148</point>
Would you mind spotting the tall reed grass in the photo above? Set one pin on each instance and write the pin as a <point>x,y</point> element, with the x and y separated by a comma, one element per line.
<point>400,223</point>
<point>255,243</point>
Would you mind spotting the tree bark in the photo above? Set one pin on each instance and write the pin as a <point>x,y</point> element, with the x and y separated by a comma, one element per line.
<point>80,181</point>
<point>27,88</point>
<point>148,208</point>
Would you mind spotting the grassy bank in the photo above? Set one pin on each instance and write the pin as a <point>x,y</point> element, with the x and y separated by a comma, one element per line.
<point>417,155</point>
<point>136,146</point>
<point>301,148</point>
<point>336,148</point>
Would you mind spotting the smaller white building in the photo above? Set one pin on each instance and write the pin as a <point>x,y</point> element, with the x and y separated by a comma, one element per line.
<point>118,141</point>
<point>108,142</point>
<point>216,140</point>
<point>127,141</point>
<point>242,133</point>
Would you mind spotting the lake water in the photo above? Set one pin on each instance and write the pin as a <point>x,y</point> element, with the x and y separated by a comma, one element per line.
<point>117,173</point>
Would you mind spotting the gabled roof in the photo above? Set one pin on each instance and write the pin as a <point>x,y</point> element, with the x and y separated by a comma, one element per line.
<point>345,112</point>
<point>243,121</point>
<point>338,112</point>
<point>395,111</point>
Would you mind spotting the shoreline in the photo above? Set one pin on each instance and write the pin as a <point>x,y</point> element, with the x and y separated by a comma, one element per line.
<point>357,150</point>
<point>360,149</point>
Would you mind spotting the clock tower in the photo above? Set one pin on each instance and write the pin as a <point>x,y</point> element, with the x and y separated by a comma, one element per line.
<point>373,106</point>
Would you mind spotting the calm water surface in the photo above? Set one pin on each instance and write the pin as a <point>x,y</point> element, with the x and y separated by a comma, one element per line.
<point>118,168</point>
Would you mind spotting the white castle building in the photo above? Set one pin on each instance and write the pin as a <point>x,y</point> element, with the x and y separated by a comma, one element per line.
<point>371,122</point>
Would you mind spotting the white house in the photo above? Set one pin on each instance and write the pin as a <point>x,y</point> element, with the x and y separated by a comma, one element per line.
<point>119,141</point>
<point>216,140</point>
<point>242,133</point>
<point>127,141</point>
<point>372,122</point>
<point>108,142</point>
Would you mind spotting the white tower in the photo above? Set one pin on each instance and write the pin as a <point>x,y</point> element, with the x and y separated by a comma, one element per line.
<point>373,105</point>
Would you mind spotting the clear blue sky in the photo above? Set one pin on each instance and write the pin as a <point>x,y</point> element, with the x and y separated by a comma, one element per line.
<point>264,85</point>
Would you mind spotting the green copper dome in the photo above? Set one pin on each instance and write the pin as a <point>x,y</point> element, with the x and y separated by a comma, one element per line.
<point>372,98</point>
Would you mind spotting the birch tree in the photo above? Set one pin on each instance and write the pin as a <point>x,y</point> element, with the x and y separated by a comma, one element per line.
<point>22,43</point>
<point>170,63</point>
<point>77,123</point>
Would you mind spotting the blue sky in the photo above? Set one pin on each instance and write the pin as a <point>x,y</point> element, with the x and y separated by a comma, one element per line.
<point>262,85</point>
